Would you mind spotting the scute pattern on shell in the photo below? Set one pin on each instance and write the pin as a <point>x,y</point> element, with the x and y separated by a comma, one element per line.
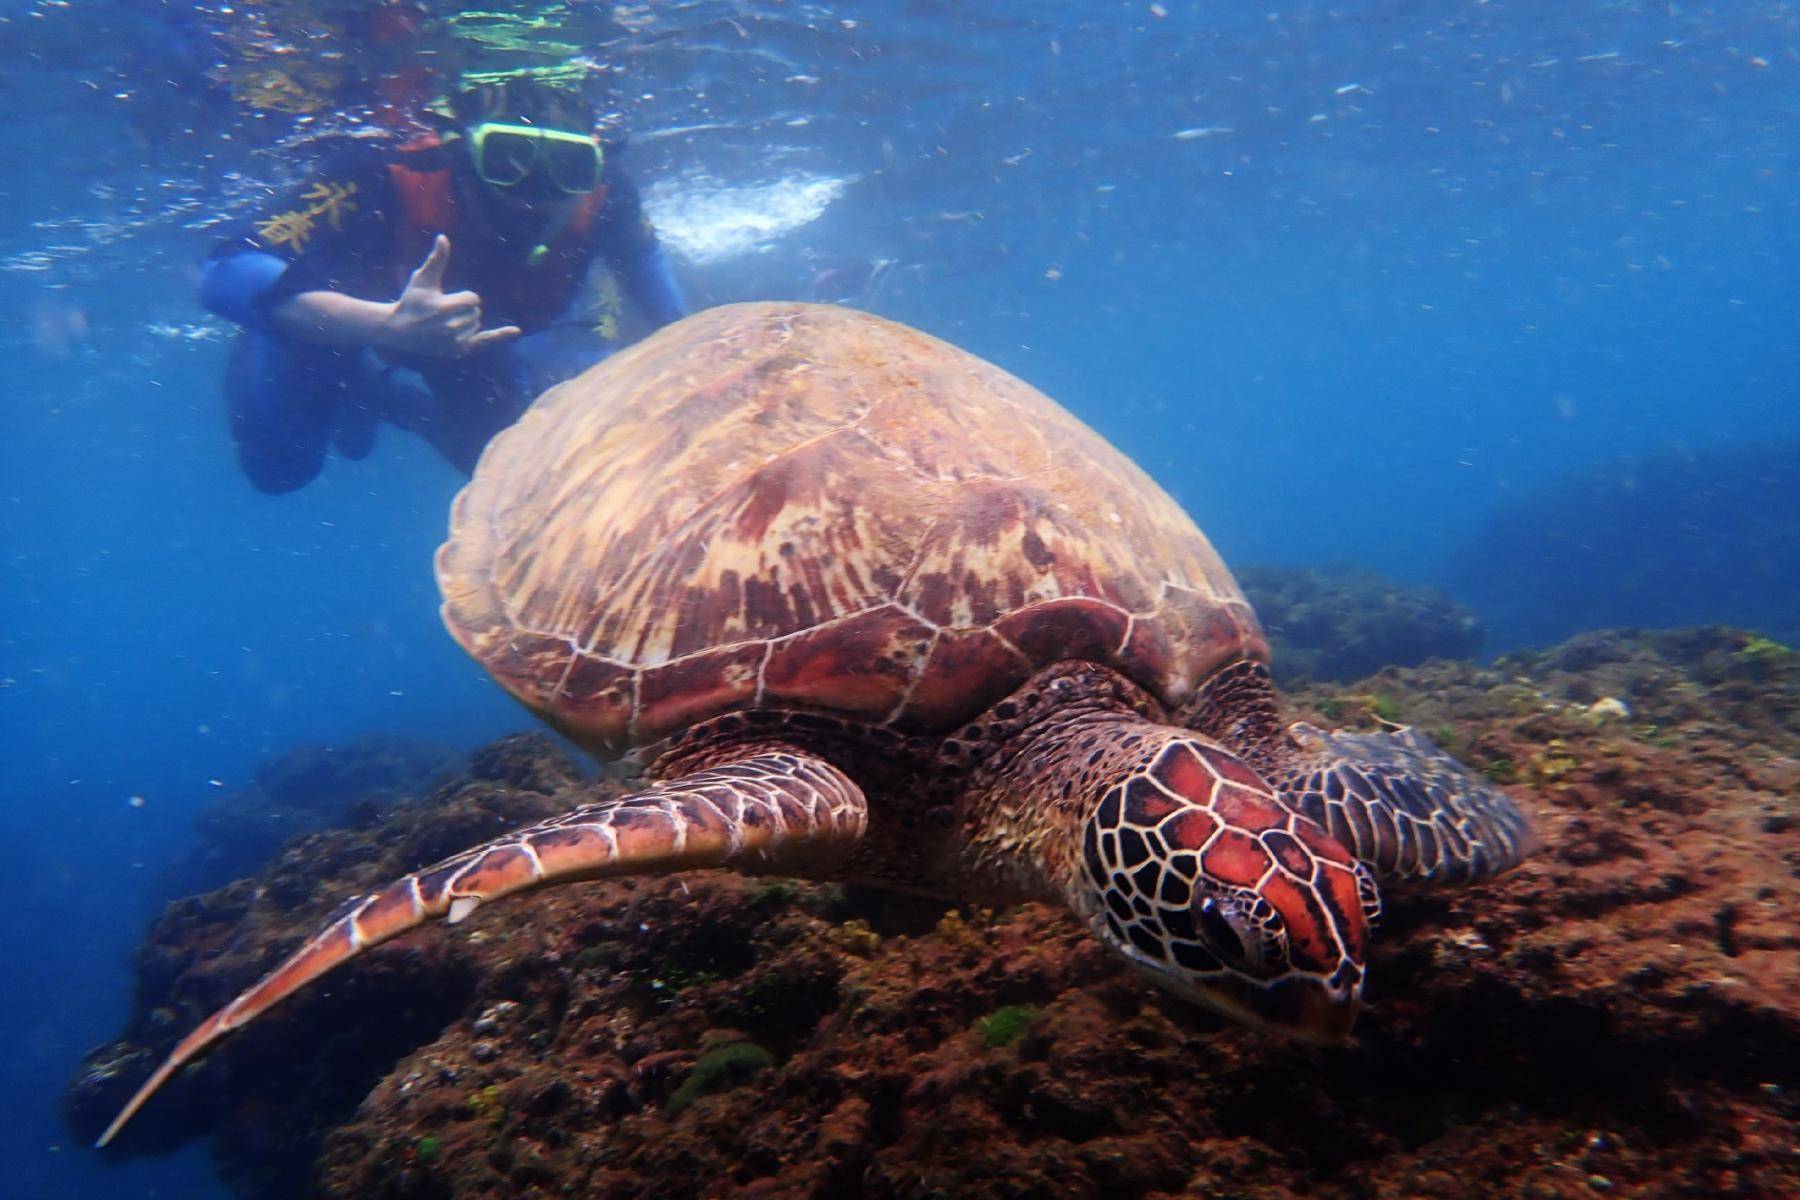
<point>808,507</point>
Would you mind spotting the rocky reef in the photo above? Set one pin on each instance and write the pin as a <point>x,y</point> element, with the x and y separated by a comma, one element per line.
<point>1344,624</point>
<point>1620,1017</point>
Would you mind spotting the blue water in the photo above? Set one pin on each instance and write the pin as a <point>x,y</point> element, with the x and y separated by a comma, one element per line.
<point>1345,277</point>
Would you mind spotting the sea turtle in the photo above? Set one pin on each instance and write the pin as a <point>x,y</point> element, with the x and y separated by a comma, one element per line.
<point>869,608</point>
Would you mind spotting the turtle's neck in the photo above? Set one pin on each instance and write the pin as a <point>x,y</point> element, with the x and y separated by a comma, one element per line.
<point>1236,706</point>
<point>1037,764</point>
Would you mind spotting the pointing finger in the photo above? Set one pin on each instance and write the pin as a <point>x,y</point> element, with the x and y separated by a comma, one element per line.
<point>493,337</point>
<point>431,272</point>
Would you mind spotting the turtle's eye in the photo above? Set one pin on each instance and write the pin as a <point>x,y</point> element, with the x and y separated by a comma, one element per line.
<point>1247,936</point>
<point>1219,932</point>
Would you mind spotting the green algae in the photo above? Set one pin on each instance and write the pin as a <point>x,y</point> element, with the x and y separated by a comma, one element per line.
<point>718,1071</point>
<point>1385,707</point>
<point>775,893</point>
<point>1763,652</point>
<point>1004,1026</point>
<point>1501,770</point>
<point>486,1104</point>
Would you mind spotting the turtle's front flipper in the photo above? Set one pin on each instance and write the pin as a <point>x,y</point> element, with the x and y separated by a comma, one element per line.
<point>1403,806</point>
<point>775,810</point>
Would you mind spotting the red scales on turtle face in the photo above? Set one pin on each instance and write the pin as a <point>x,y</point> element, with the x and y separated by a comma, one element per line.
<point>870,609</point>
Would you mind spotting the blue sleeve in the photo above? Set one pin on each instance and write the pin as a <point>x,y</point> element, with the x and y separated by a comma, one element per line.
<point>236,284</point>
<point>635,256</point>
<point>650,282</point>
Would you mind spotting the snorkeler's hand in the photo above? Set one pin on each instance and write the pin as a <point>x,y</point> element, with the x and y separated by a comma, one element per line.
<point>428,322</point>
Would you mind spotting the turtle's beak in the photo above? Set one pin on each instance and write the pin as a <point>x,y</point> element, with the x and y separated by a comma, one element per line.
<point>1315,1011</point>
<point>1305,1008</point>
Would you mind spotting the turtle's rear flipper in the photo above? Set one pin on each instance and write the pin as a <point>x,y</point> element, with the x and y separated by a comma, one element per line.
<point>775,810</point>
<point>1403,806</point>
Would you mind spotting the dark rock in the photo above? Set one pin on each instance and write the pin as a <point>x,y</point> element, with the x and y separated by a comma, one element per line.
<point>1344,624</point>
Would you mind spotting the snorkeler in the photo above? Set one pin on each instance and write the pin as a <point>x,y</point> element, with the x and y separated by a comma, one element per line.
<point>438,285</point>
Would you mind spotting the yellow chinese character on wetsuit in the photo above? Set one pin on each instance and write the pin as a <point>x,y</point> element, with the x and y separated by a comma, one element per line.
<point>295,227</point>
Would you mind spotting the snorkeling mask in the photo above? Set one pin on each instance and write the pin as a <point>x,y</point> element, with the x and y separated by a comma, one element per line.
<point>507,156</point>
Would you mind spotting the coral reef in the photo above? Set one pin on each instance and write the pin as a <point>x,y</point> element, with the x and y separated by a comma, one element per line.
<point>307,788</point>
<point>1620,1017</point>
<point>1344,624</point>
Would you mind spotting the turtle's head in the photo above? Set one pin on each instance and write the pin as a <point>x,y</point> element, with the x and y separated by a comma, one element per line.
<point>1196,874</point>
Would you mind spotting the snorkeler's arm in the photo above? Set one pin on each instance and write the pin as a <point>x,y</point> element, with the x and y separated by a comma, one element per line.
<point>332,319</point>
<point>311,238</point>
<point>425,321</point>
<point>305,269</point>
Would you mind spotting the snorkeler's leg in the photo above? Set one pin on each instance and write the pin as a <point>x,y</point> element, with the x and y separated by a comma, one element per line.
<point>475,398</point>
<point>432,401</point>
<point>280,418</point>
<point>376,390</point>
<point>290,402</point>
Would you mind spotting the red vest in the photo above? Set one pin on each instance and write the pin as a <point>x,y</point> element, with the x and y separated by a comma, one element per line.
<point>427,200</point>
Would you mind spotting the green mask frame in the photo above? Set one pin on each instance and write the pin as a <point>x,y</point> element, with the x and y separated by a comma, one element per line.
<point>507,155</point>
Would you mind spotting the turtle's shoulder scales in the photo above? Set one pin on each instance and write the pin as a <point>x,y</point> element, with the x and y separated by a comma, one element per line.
<point>854,746</point>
